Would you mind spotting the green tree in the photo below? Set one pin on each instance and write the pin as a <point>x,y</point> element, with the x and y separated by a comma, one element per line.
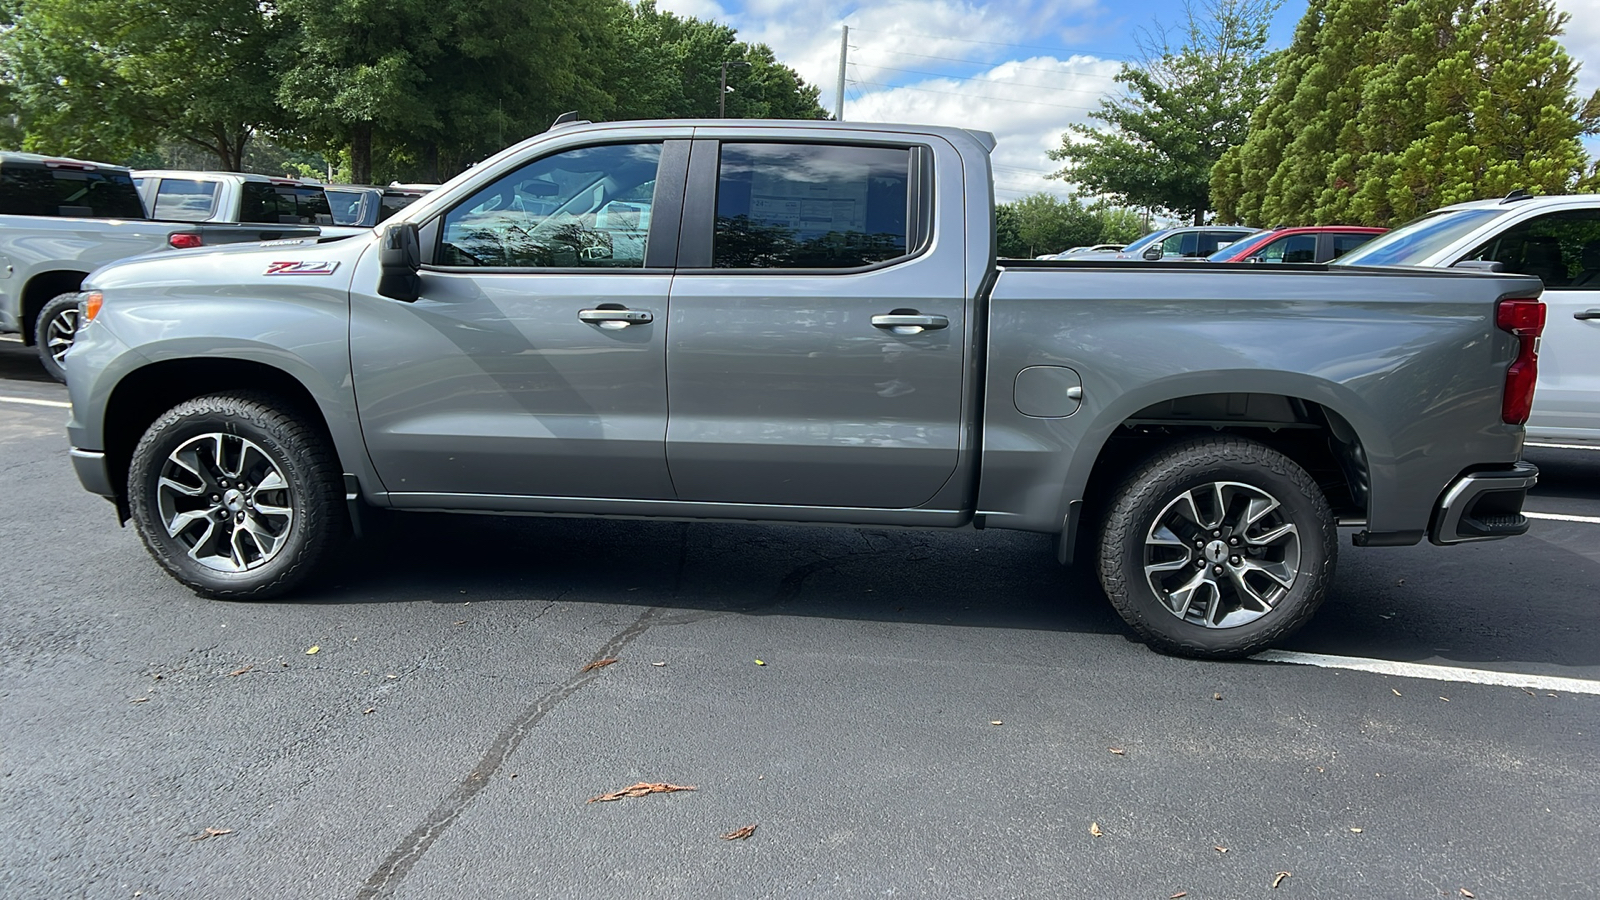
<point>1008,240</point>
<point>1119,225</point>
<point>1155,146</point>
<point>106,78</point>
<point>1382,111</point>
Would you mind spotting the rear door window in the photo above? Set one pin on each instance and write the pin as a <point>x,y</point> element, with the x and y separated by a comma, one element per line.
<point>1562,248</point>
<point>811,206</point>
<point>1296,248</point>
<point>185,200</point>
<point>45,190</point>
<point>1344,243</point>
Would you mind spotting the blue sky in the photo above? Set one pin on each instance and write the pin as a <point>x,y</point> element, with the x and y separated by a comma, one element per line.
<point>1019,68</point>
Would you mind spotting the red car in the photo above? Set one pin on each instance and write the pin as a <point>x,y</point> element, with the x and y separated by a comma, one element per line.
<point>1311,244</point>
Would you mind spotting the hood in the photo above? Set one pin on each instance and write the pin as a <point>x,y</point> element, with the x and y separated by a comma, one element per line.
<point>325,261</point>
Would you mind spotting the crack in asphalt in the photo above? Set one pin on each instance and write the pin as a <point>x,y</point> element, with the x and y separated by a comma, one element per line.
<point>386,879</point>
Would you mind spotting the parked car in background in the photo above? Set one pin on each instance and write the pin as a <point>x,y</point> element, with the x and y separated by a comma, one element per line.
<point>61,219</point>
<point>364,206</point>
<point>1555,238</point>
<point>1189,242</point>
<point>1087,252</point>
<point>190,196</point>
<point>1307,244</point>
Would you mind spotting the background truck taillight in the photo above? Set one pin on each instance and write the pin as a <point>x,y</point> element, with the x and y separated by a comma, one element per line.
<point>1522,318</point>
<point>184,240</point>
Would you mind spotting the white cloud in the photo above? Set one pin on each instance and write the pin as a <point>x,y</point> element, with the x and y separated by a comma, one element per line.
<point>1582,41</point>
<point>1026,102</point>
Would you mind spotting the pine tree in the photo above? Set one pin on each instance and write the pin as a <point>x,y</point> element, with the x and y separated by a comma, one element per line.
<point>1384,110</point>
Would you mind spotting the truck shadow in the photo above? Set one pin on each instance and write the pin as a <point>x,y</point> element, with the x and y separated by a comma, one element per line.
<point>1470,605</point>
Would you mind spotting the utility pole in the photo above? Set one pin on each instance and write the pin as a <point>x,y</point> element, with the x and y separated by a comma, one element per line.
<point>844,51</point>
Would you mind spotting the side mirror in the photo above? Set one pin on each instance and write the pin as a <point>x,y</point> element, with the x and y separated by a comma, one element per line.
<point>399,262</point>
<point>1152,252</point>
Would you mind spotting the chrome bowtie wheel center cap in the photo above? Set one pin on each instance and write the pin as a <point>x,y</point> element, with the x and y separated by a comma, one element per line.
<point>1216,551</point>
<point>233,500</point>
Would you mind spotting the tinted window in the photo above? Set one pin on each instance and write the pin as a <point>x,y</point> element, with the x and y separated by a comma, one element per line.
<point>810,206</point>
<point>588,207</point>
<point>1562,248</point>
<point>284,204</point>
<point>345,206</point>
<point>1212,241</point>
<point>1296,248</point>
<point>185,200</point>
<point>394,202</point>
<point>1344,243</point>
<point>38,190</point>
<point>1409,245</point>
<point>1183,244</point>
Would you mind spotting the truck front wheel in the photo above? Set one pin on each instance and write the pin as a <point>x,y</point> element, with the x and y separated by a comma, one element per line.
<point>236,496</point>
<point>1217,547</point>
<point>54,331</point>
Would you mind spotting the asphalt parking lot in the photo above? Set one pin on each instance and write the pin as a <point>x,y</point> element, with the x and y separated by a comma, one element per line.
<point>932,715</point>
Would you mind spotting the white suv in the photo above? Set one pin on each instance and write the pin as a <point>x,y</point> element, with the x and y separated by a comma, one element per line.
<point>1555,238</point>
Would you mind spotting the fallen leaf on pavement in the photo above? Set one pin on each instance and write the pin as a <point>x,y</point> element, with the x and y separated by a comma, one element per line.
<point>1528,692</point>
<point>1466,893</point>
<point>211,833</point>
<point>237,672</point>
<point>1396,693</point>
<point>1216,696</point>
<point>1094,829</point>
<point>140,700</point>
<point>760,662</point>
<point>369,710</point>
<point>1118,751</point>
<point>640,790</point>
<point>658,664</point>
<point>1355,830</point>
<point>739,834</point>
<point>1220,849</point>
<point>314,649</point>
<point>461,622</point>
<point>1445,699</point>
<point>598,664</point>
<point>1278,878</point>
<point>1178,895</point>
<point>996,722</point>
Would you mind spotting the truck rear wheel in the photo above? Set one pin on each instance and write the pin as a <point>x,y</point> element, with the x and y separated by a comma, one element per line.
<point>54,331</point>
<point>1217,548</point>
<point>235,496</point>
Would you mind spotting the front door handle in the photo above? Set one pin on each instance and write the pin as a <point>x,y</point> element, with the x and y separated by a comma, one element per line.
<point>1587,314</point>
<point>613,319</point>
<point>909,323</point>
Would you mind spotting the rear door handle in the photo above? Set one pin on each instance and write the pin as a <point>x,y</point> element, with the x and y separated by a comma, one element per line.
<point>614,318</point>
<point>910,323</point>
<point>1587,314</point>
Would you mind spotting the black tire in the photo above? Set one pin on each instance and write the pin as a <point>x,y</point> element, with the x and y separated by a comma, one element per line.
<point>1227,475</point>
<point>265,432</point>
<point>57,323</point>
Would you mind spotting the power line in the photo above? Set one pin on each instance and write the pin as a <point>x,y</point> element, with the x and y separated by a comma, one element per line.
<point>945,37</point>
<point>1035,87</point>
<point>992,65</point>
<point>896,87</point>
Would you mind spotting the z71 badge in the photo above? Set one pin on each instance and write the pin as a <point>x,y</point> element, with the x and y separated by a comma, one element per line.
<point>303,267</point>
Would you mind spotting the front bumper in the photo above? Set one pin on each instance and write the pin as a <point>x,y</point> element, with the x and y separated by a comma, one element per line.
<point>92,472</point>
<point>1483,506</point>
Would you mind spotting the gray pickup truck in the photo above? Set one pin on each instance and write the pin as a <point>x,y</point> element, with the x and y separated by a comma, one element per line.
<point>61,219</point>
<point>801,322</point>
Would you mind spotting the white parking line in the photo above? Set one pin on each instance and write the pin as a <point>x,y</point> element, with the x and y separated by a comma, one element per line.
<point>1561,446</point>
<point>1557,517</point>
<point>29,401</point>
<point>1434,673</point>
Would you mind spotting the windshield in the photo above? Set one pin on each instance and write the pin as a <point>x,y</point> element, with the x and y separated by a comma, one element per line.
<point>1241,244</point>
<point>1411,245</point>
<point>1144,242</point>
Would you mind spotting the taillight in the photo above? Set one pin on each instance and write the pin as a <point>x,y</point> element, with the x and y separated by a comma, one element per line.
<point>184,240</point>
<point>1522,318</point>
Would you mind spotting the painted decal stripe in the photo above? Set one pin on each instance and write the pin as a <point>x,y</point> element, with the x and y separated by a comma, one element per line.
<point>29,401</point>
<point>1558,517</point>
<point>1433,673</point>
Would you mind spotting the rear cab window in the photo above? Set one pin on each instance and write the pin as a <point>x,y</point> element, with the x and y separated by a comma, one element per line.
<point>816,206</point>
<point>185,200</point>
<point>65,190</point>
<point>269,203</point>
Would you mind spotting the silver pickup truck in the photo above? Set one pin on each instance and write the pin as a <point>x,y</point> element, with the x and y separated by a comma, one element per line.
<point>61,219</point>
<point>801,322</point>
